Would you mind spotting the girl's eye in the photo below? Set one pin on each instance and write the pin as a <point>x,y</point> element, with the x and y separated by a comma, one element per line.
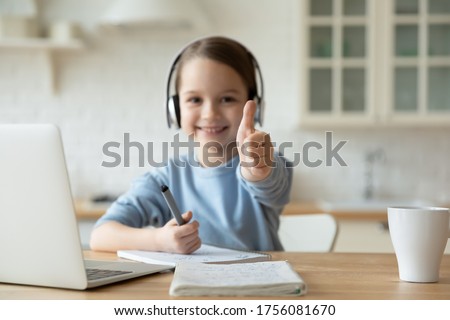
<point>194,100</point>
<point>228,99</point>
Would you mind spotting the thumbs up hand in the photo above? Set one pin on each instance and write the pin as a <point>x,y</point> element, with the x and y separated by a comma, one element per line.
<point>255,147</point>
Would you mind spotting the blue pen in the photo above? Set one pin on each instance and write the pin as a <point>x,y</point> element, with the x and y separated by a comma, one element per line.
<point>172,204</point>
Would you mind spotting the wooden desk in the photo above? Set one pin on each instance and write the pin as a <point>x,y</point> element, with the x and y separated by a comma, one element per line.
<point>328,275</point>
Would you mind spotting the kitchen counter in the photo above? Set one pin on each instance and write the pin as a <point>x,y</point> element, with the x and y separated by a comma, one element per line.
<point>341,214</point>
<point>87,210</point>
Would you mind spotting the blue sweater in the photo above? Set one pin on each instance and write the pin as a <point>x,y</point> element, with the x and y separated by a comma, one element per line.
<point>231,211</point>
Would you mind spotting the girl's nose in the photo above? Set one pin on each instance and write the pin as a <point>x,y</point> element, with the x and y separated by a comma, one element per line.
<point>209,110</point>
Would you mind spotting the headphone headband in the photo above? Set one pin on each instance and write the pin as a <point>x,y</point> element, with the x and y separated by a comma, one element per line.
<point>173,102</point>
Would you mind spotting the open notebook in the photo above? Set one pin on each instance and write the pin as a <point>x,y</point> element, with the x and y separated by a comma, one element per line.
<point>269,278</point>
<point>206,254</point>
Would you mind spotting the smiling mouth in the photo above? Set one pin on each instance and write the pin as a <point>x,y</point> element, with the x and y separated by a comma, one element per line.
<point>212,130</point>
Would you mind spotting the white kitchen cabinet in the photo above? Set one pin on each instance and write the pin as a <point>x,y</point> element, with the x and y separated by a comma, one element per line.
<point>368,62</point>
<point>365,236</point>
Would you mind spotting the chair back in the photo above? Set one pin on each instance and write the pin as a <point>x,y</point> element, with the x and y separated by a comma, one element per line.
<point>308,232</point>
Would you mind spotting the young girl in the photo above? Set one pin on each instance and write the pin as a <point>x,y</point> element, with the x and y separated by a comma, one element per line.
<point>233,194</point>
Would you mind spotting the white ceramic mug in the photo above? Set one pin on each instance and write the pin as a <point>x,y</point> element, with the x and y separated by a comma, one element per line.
<point>419,236</point>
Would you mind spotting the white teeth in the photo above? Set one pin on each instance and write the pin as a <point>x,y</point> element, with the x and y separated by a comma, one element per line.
<point>212,130</point>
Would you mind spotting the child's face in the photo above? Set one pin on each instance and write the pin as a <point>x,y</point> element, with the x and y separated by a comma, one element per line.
<point>212,97</point>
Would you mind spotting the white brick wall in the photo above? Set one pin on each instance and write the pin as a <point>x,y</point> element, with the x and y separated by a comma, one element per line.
<point>117,85</point>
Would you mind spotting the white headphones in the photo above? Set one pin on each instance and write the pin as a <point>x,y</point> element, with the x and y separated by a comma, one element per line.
<point>173,101</point>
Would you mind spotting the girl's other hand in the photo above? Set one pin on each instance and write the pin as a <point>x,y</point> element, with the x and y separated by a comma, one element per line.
<point>255,147</point>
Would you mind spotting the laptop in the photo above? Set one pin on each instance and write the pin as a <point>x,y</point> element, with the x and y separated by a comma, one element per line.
<point>39,239</point>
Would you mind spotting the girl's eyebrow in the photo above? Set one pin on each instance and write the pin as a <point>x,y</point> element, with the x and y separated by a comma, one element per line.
<point>222,92</point>
<point>189,92</point>
<point>231,91</point>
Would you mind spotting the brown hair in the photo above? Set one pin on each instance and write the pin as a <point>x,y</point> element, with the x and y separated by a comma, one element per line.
<point>226,51</point>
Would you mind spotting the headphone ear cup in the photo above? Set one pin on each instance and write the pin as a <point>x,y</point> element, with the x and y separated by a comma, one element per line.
<point>173,111</point>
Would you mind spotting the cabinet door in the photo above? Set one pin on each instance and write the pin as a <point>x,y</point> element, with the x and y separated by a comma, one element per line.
<point>376,62</point>
<point>420,61</point>
<point>338,66</point>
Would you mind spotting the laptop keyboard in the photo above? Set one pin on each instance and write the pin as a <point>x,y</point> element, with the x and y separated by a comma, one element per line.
<point>95,274</point>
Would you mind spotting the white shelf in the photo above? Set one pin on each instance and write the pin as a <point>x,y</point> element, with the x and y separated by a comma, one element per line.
<point>40,43</point>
